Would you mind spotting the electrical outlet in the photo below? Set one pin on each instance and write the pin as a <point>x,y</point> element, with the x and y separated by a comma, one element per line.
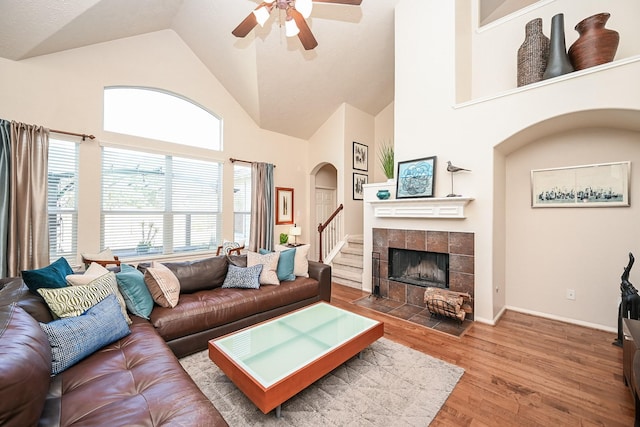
<point>571,294</point>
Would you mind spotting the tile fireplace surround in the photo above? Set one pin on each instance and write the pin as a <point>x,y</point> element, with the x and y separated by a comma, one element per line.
<point>459,246</point>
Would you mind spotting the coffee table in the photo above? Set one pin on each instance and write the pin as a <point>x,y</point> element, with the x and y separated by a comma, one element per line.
<point>274,360</point>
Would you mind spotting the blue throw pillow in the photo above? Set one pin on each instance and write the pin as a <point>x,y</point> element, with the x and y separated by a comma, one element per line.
<point>243,277</point>
<point>286,263</point>
<point>134,291</point>
<point>51,276</point>
<point>74,338</point>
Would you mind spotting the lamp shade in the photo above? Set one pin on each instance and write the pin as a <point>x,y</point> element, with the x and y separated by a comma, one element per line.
<point>304,7</point>
<point>290,28</point>
<point>262,14</point>
<point>295,231</point>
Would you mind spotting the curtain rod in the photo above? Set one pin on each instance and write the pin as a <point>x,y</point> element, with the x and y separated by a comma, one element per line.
<point>83,135</point>
<point>243,161</point>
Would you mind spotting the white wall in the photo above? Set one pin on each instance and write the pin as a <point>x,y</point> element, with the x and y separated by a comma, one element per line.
<point>65,91</point>
<point>480,135</point>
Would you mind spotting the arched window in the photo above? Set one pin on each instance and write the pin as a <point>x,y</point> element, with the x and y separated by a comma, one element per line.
<point>155,114</point>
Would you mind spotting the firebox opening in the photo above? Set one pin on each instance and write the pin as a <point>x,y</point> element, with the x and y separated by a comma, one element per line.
<point>419,268</point>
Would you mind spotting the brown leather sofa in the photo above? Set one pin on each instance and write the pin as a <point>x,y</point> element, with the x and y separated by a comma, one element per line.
<point>136,380</point>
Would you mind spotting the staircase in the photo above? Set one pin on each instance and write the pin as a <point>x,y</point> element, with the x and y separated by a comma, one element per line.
<point>346,267</point>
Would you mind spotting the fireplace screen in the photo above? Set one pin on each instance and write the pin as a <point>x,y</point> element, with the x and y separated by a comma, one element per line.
<point>419,267</point>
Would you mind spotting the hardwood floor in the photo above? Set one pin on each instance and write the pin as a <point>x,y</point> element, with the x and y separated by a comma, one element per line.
<point>525,371</point>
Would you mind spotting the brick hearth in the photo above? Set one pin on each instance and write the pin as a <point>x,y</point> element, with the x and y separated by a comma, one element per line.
<point>459,246</point>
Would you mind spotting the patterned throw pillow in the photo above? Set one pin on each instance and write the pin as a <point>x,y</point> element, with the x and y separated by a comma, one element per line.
<point>134,291</point>
<point>74,338</point>
<point>269,261</point>
<point>163,285</point>
<point>243,277</point>
<point>51,276</point>
<point>75,300</point>
<point>93,272</point>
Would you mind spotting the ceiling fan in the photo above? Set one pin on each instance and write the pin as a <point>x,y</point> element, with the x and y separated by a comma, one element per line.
<point>296,12</point>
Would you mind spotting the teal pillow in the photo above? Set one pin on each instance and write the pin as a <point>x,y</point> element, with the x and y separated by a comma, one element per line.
<point>286,263</point>
<point>134,291</point>
<point>243,277</point>
<point>51,276</point>
<point>74,338</point>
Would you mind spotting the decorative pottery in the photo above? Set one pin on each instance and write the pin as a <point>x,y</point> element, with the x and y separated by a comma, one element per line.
<point>532,54</point>
<point>558,62</point>
<point>596,44</point>
<point>383,194</point>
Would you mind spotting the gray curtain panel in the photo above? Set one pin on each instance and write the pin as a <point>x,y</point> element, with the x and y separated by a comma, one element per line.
<point>262,207</point>
<point>28,246</point>
<point>5,156</point>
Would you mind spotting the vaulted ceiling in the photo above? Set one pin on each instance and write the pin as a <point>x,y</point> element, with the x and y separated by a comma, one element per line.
<point>282,87</point>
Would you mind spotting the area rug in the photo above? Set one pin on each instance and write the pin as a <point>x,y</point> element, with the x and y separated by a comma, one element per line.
<point>391,385</point>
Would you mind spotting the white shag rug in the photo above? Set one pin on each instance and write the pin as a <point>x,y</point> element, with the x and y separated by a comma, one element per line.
<point>391,385</point>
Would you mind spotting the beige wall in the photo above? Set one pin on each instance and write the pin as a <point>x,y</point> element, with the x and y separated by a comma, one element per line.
<point>482,134</point>
<point>550,250</point>
<point>64,91</point>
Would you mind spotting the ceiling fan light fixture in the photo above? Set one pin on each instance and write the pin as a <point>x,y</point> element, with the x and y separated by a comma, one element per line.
<point>304,7</point>
<point>290,27</point>
<point>262,14</point>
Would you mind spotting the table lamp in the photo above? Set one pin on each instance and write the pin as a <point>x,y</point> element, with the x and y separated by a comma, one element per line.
<point>295,231</point>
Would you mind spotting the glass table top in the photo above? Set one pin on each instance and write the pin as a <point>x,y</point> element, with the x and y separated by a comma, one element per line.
<point>275,349</point>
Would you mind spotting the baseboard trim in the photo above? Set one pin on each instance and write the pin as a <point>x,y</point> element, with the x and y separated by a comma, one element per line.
<point>561,319</point>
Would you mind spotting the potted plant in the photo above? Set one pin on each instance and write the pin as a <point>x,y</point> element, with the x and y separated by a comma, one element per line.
<point>284,238</point>
<point>385,155</point>
<point>148,234</point>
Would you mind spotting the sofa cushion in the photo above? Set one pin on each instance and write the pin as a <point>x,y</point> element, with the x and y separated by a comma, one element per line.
<point>163,285</point>
<point>75,300</point>
<point>74,338</point>
<point>25,367</point>
<point>269,262</point>
<point>286,264</point>
<point>197,275</point>
<point>51,276</point>
<point>134,381</point>
<point>243,277</point>
<point>134,291</point>
<point>208,309</point>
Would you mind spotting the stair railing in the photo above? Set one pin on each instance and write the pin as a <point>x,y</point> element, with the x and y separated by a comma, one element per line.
<point>329,233</point>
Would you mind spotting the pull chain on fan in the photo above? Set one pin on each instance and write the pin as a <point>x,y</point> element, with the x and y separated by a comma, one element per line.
<point>296,12</point>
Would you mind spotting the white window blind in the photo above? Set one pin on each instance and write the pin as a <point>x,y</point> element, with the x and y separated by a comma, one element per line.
<point>62,199</point>
<point>159,204</point>
<point>241,203</point>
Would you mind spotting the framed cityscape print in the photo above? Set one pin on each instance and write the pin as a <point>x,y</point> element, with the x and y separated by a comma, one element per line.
<point>360,156</point>
<point>598,185</point>
<point>359,180</point>
<point>416,178</point>
<point>284,206</point>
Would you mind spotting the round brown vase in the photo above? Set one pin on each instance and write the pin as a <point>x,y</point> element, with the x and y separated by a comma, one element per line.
<point>596,44</point>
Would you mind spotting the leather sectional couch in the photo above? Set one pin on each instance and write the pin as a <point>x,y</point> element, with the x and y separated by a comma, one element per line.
<point>138,379</point>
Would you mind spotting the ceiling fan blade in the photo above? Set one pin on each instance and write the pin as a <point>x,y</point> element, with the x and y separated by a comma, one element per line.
<point>245,26</point>
<point>305,35</point>
<point>352,2</point>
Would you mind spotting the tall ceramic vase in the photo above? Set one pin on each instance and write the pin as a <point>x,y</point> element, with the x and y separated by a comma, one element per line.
<point>596,44</point>
<point>532,54</point>
<point>558,62</point>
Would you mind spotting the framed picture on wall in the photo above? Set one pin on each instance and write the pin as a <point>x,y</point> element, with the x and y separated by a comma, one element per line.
<point>416,178</point>
<point>284,206</point>
<point>360,156</point>
<point>359,180</point>
<point>603,184</point>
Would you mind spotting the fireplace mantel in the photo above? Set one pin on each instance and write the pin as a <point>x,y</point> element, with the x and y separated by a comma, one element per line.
<point>441,207</point>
